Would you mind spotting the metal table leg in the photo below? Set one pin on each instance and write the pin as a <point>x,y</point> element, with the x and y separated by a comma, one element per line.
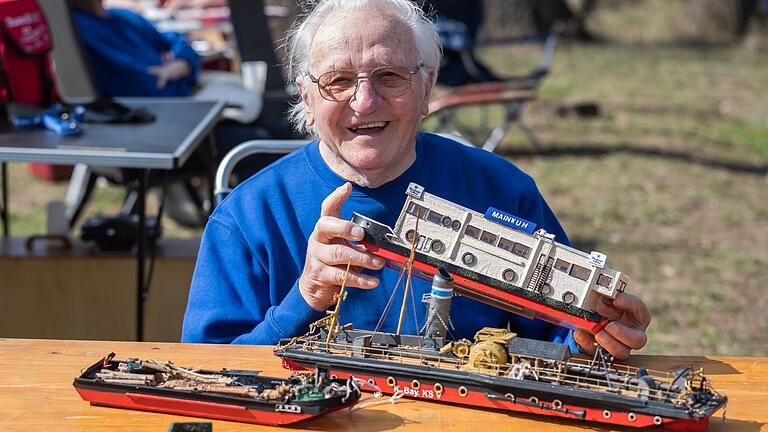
<point>4,213</point>
<point>141,183</point>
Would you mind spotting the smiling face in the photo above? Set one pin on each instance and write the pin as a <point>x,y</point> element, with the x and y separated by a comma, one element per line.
<point>368,140</point>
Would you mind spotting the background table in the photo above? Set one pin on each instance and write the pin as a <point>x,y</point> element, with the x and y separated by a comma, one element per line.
<point>180,127</point>
<point>36,392</point>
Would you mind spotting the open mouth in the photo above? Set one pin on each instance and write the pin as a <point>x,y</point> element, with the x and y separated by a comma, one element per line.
<point>369,128</point>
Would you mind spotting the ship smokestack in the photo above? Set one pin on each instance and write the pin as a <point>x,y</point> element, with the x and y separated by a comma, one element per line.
<point>439,306</point>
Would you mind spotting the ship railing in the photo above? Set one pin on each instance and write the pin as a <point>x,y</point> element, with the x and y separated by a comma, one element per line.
<point>398,355</point>
<point>663,376</point>
<point>582,375</point>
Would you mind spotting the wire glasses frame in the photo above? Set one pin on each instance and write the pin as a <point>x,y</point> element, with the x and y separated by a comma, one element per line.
<point>388,81</point>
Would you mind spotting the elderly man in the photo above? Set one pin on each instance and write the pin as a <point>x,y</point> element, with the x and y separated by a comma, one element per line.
<point>274,253</point>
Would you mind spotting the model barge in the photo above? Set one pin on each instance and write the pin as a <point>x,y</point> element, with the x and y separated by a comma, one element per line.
<point>242,396</point>
<point>498,259</point>
<point>501,371</point>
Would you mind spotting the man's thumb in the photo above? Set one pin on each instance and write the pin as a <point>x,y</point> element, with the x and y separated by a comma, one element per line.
<point>332,203</point>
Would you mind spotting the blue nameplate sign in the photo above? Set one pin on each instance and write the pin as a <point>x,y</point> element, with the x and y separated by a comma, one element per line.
<point>509,220</point>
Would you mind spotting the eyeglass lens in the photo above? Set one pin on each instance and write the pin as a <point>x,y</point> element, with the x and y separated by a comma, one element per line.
<point>388,82</point>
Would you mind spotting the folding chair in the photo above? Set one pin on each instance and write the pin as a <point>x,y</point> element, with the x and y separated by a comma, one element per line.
<point>511,94</point>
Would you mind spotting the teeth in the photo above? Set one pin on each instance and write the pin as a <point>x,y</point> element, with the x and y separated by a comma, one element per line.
<point>370,125</point>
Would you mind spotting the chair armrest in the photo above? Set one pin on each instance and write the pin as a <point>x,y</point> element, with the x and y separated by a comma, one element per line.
<point>240,152</point>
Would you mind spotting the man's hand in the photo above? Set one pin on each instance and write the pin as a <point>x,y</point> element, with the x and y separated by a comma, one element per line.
<point>170,71</point>
<point>328,252</point>
<point>629,318</point>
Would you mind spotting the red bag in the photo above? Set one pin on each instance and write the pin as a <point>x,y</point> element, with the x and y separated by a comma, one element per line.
<point>25,66</point>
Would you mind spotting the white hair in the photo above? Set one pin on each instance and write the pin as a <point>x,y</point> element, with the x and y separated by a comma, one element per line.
<point>298,40</point>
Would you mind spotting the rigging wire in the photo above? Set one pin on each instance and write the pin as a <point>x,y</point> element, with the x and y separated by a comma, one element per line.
<point>389,302</point>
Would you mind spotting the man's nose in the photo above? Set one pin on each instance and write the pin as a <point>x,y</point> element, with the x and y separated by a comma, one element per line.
<point>365,100</point>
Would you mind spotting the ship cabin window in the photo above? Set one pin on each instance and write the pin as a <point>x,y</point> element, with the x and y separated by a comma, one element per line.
<point>569,298</point>
<point>604,280</point>
<point>435,217</point>
<point>521,250</point>
<point>580,272</point>
<point>473,232</point>
<point>437,246</point>
<point>515,248</point>
<point>505,244</point>
<point>563,266</point>
<point>509,275</point>
<point>415,209</point>
<point>488,237</point>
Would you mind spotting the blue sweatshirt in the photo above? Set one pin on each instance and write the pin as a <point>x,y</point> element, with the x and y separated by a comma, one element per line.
<point>245,285</point>
<point>122,46</point>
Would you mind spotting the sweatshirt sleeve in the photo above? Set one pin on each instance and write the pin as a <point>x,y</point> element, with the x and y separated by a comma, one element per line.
<point>230,296</point>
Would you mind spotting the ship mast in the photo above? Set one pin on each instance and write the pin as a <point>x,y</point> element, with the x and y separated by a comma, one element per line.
<point>409,268</point>
<point>335,314</point>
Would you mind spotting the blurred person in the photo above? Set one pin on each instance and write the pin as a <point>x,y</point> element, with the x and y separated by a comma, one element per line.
<point>274,252</point>
<point>128,56</point>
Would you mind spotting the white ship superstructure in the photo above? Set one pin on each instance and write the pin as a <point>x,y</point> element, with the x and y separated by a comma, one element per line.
<point>506,248</point>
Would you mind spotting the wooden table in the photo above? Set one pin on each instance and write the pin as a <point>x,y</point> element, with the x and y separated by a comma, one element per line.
<point>36,392</point>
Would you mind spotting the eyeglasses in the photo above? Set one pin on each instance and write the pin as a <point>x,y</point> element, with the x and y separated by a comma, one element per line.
<point>388,81</point>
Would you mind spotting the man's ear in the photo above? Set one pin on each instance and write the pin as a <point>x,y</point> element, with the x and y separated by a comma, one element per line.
<point>430,79</point>
<point>306,100</point>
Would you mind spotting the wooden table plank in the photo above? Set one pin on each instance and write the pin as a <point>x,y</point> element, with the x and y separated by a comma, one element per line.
<point>36,392</point>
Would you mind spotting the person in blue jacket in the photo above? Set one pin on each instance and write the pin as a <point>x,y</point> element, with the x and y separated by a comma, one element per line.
<point>274,252</point>
<point>129,57</point>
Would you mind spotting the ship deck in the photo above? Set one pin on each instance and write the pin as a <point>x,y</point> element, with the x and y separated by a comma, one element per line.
<point>575,373</point>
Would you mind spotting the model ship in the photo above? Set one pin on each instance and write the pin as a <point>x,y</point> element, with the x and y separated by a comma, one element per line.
<point>242,396</point>
<point>498,259</point>
<point>497,369</point>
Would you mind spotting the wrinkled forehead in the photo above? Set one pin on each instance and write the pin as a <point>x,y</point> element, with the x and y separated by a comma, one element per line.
<point>360,40</point>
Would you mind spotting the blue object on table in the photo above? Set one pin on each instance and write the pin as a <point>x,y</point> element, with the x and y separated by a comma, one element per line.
<point>61,119</point>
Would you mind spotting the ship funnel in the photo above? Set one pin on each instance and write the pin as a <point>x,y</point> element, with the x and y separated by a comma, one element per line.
<point>439,306</point>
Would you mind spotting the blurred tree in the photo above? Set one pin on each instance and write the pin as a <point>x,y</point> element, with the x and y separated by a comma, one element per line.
<point>723,18</point>
<point>514,17</point>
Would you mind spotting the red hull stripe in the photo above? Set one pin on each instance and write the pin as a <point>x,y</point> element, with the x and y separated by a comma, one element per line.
<point>192,408</point>
<point>542,311</point>
<point>427,391</point>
